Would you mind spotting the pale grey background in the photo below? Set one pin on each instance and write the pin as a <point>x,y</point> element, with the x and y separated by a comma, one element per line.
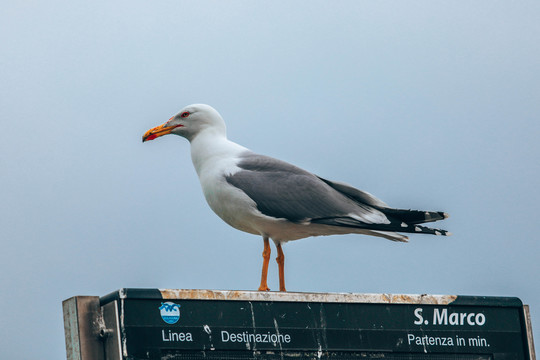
<point>426,104</point>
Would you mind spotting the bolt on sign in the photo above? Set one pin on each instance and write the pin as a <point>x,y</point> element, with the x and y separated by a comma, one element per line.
<point>206,324</point>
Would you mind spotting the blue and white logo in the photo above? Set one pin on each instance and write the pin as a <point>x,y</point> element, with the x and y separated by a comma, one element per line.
<point>170,312</point>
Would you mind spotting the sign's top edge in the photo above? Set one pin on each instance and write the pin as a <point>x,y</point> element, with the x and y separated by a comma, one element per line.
<point>306,297</point>
<point>274,296</point>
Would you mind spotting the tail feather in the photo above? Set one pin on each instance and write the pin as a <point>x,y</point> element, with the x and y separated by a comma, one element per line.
<point>395,225</point>
<point>389,235</point>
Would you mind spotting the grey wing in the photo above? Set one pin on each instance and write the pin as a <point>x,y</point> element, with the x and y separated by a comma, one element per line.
<point>282,190</point>
<point>354,193</point>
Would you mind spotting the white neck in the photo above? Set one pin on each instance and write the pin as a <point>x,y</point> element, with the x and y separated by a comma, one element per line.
<point>209,148</point>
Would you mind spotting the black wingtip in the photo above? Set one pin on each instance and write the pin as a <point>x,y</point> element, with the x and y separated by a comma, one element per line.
<point>426,230</point>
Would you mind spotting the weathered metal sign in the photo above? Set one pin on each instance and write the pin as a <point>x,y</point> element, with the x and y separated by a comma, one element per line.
<point>154,324</point>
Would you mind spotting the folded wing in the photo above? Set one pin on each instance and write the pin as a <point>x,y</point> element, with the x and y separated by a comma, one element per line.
<point>284,191</point>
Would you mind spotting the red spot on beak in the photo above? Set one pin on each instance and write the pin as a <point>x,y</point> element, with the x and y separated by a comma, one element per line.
<point>151,137</point>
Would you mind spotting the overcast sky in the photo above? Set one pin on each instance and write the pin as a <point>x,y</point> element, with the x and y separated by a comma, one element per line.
<point>428,105</point>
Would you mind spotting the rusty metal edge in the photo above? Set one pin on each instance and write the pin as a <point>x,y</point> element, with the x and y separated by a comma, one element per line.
<point>71,329</point>
<point>528,327</point>
<point>198,294</point>
<point>81,325</point>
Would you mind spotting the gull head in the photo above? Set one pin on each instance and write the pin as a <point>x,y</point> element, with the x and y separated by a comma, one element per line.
<point>189,122</point>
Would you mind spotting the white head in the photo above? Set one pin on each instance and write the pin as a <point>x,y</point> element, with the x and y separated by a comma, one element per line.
<point>189,122</point>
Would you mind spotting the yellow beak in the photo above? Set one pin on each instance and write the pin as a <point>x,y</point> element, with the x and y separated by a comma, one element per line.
<point>158,131</point>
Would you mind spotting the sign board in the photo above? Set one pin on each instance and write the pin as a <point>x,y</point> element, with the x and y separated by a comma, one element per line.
<point>205,324</point>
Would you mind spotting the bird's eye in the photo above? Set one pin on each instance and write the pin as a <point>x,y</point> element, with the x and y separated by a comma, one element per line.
<point>185,114</point>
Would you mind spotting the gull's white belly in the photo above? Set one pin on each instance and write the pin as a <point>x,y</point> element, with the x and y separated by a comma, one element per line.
<point>232,205</point>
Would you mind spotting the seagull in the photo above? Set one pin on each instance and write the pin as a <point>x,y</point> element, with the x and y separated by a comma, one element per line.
<point>279,201</point>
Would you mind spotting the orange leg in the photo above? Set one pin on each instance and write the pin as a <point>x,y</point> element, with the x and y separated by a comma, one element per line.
<point>266,259</point>
<point>281,264</point>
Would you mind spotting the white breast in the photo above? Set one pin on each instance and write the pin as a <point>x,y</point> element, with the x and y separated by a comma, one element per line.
<point>214,158</point>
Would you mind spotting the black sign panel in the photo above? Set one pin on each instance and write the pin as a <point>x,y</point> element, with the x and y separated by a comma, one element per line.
<point>155,328</point>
